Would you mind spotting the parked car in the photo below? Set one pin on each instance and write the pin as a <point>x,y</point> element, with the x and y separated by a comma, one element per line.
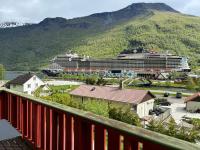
<point>162,101</point>
<point>166,103</point>
<point>166,94</point>
<point>156,111</point>
<point>178,95</point>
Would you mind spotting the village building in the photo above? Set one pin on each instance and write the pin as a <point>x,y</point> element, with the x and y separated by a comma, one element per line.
<point>193,103</point>
<point>26,83</point>
<point>44,90</point>
<point>141,101</point>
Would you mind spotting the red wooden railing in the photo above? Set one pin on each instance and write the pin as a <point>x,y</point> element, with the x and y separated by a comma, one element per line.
<point>51,126</point>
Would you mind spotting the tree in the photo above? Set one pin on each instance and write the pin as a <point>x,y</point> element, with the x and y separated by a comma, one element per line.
<point>2,72</point>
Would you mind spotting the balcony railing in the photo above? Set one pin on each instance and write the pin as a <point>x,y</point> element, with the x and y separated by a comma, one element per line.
<point>52,126</point>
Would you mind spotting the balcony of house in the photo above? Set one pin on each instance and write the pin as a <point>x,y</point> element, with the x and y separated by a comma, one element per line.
<point>52,126</point>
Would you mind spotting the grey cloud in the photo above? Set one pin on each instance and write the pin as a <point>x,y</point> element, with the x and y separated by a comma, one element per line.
<point>37,10</point>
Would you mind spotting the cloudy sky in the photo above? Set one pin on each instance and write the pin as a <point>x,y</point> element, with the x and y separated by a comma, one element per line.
<point>36,10</point>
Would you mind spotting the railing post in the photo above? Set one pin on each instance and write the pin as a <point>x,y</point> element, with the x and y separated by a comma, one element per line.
<point>82,134</point>
<point>18,113</point>
<point>99,138</point>
<point>22,118</point>
<point>38,126</point>
<point>27,118</point>
<point>51,129</point>
<point>1,106</point>
<point>25,111</point>
<point>31,121</point>
<point>42,126</point>
<point>113,140</point>
<point>61,131</point>
<point>69,131</point>
<point>45,126</point>
<point>8,106</point>
<point>47,138</point>
<point>14,116</point>
<point>130,143</point>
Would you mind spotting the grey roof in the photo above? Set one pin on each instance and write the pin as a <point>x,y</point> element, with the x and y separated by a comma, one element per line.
<point>20,80</point>
<point>7,131</point>
<point>10,138</point>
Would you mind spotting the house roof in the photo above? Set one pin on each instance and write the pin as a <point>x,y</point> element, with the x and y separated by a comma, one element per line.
<point>113,94</point>
<point>10,138</point>
<point>7,131</point>
<point>20,80</point>
<point>193,97</point>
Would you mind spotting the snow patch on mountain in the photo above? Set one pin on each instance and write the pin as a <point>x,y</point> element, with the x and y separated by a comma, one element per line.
<point>12,24</point>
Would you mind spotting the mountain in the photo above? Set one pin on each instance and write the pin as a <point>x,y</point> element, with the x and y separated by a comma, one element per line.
<point>12,24</point>
<point>151,25</point>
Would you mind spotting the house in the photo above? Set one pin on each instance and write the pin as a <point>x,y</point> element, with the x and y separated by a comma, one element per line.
<point>2,83</point>
<point>141,101</point>
<point>44,90</point>
<point>26,83</point>
<point>193,103</point>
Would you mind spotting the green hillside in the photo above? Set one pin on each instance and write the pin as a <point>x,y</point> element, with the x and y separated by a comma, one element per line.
<point>160,31</point>
<point>154,26</point>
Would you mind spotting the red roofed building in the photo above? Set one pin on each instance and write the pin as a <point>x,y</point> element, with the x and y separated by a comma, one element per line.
<point>193,103</point>
<point>142,101</point>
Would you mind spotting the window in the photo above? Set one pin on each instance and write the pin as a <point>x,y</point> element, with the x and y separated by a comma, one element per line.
<point>36,84</point>
<point>29,85</point>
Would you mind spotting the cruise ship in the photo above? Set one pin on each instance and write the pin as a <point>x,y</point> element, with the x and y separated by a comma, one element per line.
<point>140,62</point>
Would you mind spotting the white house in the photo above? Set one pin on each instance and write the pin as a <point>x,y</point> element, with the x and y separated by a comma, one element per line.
<point>193,103</point>
<point>141,101</point>
<point>26,83</point>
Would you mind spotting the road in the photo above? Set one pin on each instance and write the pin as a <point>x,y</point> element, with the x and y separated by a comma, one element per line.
<point>178,108</point>
<point>170,92</point>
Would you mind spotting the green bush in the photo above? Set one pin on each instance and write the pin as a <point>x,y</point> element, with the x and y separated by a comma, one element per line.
<point>91,81</point>
<point>98,107</point>
<point>101,81</point>
<point>126,116</point>
<point>171,129</point>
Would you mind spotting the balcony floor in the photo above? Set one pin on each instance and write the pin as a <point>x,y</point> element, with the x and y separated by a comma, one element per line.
<point>14,144</point>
